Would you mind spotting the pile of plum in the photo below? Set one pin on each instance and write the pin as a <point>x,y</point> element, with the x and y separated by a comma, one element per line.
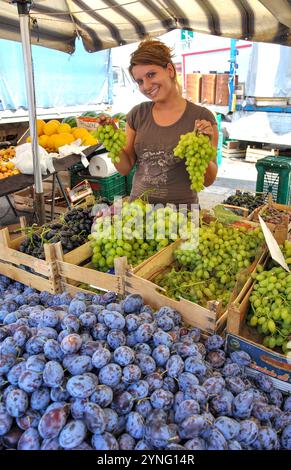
<point>92,372</point>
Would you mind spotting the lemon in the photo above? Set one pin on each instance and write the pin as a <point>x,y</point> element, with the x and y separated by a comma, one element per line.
<point>64,128</point>
<point>51,142</point>
<point>28,139</point>
<point>43,140</point>
<point>80,133</point>
<point>40,124</point>
<point>90,140</point>
<point>51,127</point>
<point>63,139</point>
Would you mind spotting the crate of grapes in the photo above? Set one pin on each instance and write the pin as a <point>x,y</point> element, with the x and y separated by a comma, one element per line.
<point>40,274</point>
<point>277,217</point>
<point>30,257</point>
<point>244,202</point>
<point>267,356</point>
<point>200,299</point>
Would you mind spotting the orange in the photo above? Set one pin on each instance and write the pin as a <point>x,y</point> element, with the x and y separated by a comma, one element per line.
<point>10,165</point>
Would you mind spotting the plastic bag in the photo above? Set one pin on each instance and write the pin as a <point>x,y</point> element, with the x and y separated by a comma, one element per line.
<point>24,161</point>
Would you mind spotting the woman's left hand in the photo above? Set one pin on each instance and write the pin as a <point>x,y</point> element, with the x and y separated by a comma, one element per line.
<point>204,127</point>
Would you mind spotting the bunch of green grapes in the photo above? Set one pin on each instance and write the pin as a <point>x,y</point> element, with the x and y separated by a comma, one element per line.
<point>113,138</point>
<point>189,286</point>
<point>286,249</point>
<point>198,151</point>
<point>223,251</point>
<point>271,306</point>
<point>137,232</point>
<point>214,266</point>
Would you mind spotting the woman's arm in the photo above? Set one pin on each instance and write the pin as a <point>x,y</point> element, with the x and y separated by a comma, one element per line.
<point>127,154</point>
<point>207,128</point>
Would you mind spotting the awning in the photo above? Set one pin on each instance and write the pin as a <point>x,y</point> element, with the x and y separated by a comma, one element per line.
<point>104,24</point>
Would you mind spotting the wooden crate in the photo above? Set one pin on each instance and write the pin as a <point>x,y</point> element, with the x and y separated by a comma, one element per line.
<point>42,274</point>
<point>243,337</point>
<point>279,231</point>
<point>24,202</point>
<point>242,211</point>
<point>75,268</point>
<point>210,320</point>
<point>255,154</point>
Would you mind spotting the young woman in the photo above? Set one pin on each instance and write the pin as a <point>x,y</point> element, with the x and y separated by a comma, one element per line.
<point>154,128</point>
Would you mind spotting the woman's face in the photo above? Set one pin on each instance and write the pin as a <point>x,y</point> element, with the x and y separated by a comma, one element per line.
<point>154,81</point>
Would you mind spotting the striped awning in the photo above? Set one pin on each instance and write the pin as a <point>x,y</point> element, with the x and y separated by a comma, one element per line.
<point>104,24</point>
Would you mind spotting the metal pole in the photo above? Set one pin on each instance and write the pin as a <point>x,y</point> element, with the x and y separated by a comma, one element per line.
<point>232,72</point>
<point>23,11</point>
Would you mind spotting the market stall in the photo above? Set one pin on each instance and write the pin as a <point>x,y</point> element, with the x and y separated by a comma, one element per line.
<point>114,338</point>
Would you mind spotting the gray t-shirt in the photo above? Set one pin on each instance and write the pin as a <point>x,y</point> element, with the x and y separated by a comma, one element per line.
<point>158,170</point>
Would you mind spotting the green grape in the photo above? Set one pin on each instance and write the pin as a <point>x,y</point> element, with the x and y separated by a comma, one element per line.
<point>124,238</point>
<point>197,150</point>
<point>113,139</point>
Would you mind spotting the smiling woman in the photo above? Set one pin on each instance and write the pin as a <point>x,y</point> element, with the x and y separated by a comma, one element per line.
<point>154,128</point>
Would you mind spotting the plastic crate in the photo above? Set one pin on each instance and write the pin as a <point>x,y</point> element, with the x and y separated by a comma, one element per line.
<point>108,187</point>
<point>274,176</point>
<point>129,179</point>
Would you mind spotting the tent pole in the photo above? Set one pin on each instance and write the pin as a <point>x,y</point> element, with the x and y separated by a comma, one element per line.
<point>23,11</point>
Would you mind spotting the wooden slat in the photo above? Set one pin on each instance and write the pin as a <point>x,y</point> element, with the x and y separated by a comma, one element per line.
<point>243,211</point>
<point>15,243</point>
<point>50,256</point>
<point>16,257</point>
<point>26,278</point>
<point>90,276</point>
<point>78,255</point>
<point>167,249</point>
<point>74,289</point>
<point>152,266</point>
<point>233,320</point>
<point>192,314</point>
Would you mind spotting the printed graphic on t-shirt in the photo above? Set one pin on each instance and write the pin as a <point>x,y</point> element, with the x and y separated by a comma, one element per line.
<point>155,165</point>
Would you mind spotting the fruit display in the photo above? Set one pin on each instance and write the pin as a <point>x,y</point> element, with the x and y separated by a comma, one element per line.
<point>274,216</point>
<point>198,151</point>
<point>121,119</point>
<point>7,154</point>
<point>72,230</point>
<point>7,167</point>
<point>271,303</point>
<point>95,373</point>
<point>134,233</point>
<point>112,137</point>
<point>246,199</point>
<point>211,270</point>
<point>54,134</point>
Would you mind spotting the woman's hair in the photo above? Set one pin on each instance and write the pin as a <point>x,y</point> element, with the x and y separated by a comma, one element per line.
<point>152,51</point>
